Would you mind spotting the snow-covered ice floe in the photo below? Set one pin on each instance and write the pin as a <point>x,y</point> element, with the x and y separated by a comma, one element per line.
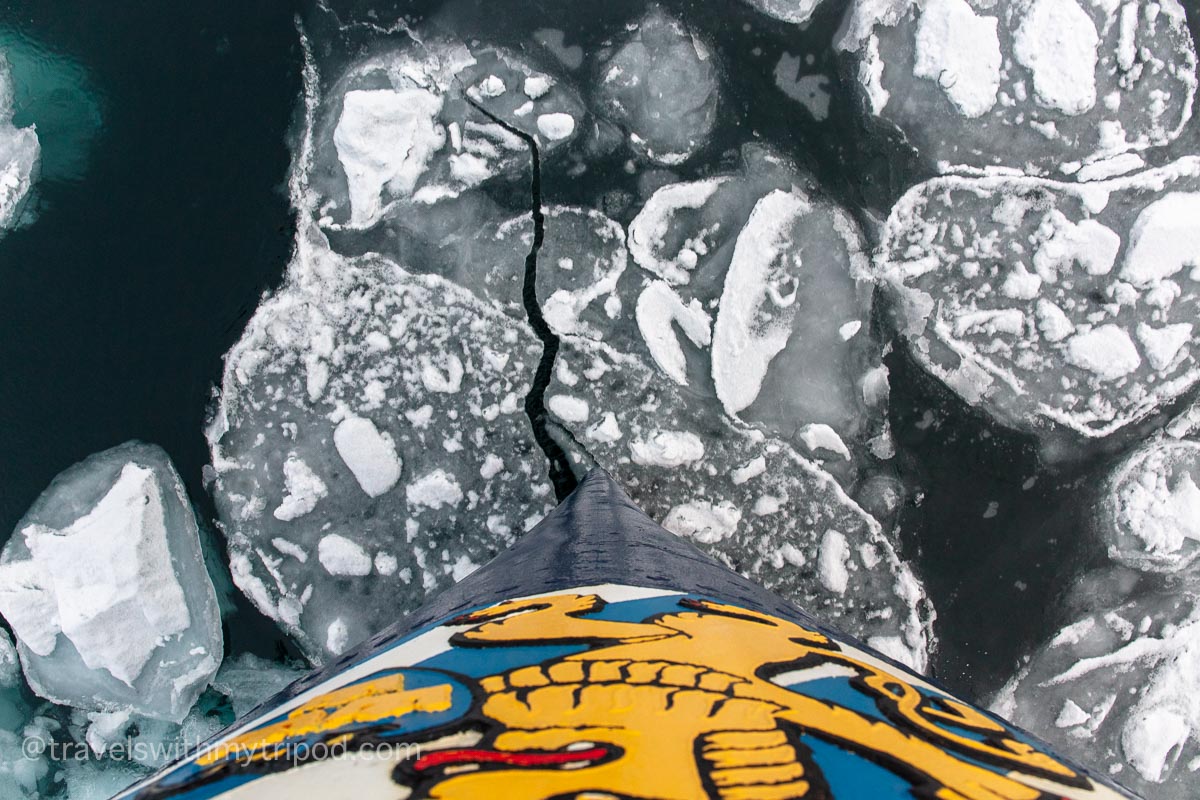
<point>1055,307</point>
<point>20,154</point>
<point>104,585</point>
<point>1150,516</point>
<point>1119,686</point>
<point>1035,85</point>
<point>413,126</point>
<point>662,86</point>
<point>370,445</point>
<point>753,291</point>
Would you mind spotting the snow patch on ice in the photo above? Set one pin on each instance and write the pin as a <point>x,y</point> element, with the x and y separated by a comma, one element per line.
<point>434,490</point>
<point>342,556</point>
<point>754,321</point>
<point>371,124</point>
<point>960,50</point>
<point>1057,42</point>
<point>667,449</point>
<point>832,560</point>
<point>705,522</point>
<point>370,455</point>
<point>659,309</point>
<point>1165,239</point>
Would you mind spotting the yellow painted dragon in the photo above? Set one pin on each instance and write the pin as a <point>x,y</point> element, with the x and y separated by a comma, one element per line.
<point>635,715</point>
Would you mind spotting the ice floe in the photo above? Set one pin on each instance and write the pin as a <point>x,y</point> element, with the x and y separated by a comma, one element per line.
<point>662,86</point>
<point>1118,686</point>
<point>370,436</point>
<point>1053,306</point>
<point>1041,86</point>
<point>105,586</point>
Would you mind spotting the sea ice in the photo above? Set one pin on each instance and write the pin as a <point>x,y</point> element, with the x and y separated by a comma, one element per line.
<point>104,584</point>
<point>20,154</point>
<point>580,262</point>
<point>796,12</point>
<point>770,286</point>
<point>662,86</point>
<point>1119,687</point>
<point>1034,85</point>
<point>1056,307</point>
<point>1150,517</point>
<point>369,443</point>
<point>437,99</point>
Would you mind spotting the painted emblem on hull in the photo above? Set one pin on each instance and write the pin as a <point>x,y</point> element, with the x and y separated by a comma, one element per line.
<point>614,692</point>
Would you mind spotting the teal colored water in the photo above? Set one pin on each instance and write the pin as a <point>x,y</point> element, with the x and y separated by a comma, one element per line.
<point>53,93</point>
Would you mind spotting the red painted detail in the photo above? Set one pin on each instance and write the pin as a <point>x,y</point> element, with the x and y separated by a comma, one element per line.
<point>443,758</point>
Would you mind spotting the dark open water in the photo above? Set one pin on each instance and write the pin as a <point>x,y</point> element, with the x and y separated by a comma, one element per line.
<point>118,302</point>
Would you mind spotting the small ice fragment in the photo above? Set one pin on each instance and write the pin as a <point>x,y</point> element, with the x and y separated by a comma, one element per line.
<point>668,449</point>
<point>536,86</point>
<point>831,563</point>
<point>492,86</point>
<point>1106,350</point>
<point>434,490</point>
<point>370,455</point>
<point>705,522</point>
<point>556,126</point>
<point>302,490</point>
<point>336,637</point>
<point>568,408</point>
<point>341,556</point>
<point>818,436</point>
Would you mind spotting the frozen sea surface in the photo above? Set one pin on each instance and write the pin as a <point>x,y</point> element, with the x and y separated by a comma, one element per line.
<point>880,319</point>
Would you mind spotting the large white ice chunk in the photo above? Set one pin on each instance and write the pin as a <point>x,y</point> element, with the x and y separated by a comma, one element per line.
<point>105,586</point>
<point>1035,85</point>
<point>960,50</point>
<point>19,154</point>
<point>662,87</point>
<point>366,135</point>
<point>1058,308</point>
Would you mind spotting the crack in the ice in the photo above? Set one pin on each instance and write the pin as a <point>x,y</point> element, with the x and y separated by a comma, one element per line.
<point>561,474</point>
